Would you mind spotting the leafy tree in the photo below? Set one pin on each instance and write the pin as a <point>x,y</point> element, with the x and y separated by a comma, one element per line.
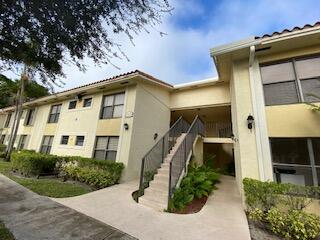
<point>38,37</point>
<point>9,89</point>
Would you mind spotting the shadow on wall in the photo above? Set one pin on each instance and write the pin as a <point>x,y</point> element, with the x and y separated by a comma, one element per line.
<point>221,155</point>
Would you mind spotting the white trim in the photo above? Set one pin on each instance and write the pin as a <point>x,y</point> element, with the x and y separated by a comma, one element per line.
<point>312,162</point>
<point>260,127</point>
<point>245,43</point>
<point>197,83</point>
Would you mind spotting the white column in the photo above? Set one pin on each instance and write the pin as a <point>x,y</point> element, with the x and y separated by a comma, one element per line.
<point>260,125</point>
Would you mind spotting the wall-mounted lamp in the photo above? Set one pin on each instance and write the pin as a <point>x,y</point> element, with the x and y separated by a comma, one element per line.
<point>155,136</point>
<point>250,121</point>
<point>126,126</point>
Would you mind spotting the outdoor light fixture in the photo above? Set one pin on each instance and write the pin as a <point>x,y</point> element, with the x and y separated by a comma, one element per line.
<point>250,121</point>
<point>155,136</point>
<point>126,126</point>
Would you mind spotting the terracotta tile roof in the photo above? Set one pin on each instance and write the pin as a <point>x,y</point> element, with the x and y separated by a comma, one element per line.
<point>117,77</point>
<point>317,24</point>
<point>108,80</point>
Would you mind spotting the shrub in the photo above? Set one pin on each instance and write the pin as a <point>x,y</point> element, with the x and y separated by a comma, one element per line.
<point>266,195</point>
<point>97,173</point>
<point>3,148</point>
<point>197,183</point>
<point>98,178</point>
<point>294,224</point>
<point>256,215</point>
<point>262,195</point>
<point>31,163</point>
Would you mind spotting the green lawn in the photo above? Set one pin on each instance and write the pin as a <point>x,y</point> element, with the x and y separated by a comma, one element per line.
<point>45,187</point>
<point>4,233</point>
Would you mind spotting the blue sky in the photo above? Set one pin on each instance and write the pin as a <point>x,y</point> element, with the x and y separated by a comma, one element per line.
<point>193,28</point>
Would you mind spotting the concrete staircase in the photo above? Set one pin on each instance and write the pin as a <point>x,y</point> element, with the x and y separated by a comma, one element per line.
<point>156,195</point>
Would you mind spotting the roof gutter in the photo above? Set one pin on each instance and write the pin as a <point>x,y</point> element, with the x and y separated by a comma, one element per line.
<point>246,43</point>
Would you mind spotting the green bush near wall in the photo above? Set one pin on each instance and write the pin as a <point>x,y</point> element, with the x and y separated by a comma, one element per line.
<point>96,173</point>
<point>29,163</point>
<point>98,178</point>
<point>279,207</point>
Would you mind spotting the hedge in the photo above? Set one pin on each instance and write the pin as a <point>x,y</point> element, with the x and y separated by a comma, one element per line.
<point>29,163</point>
<point>98,178</point>
<point>96,173</point>
<point>279,208</point>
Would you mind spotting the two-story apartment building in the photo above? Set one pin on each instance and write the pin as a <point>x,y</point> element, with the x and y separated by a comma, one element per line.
<point>255,114</point>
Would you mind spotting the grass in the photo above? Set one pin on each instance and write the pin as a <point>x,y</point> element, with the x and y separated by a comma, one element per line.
<point>4,233</point>
<point>46,187</point>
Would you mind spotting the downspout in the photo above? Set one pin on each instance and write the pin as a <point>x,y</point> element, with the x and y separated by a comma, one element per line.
<point>255,114</point>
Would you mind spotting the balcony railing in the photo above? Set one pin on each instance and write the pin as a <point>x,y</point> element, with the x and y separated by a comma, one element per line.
<point>180,158</point>
<point>218,129</point>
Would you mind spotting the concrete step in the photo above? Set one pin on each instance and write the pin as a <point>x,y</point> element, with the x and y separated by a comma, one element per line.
<point>163,171</point>
<point>160,185</point>
<point>156,196</point>
<point>151,190</point>
<point>156,206</point>
<point>161,178</point>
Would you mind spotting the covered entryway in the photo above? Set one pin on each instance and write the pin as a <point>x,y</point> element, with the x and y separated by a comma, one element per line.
<point>217,142</point>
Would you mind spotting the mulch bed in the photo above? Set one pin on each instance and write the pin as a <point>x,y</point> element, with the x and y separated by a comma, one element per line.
<point>260,233</point>
<point>194,207</point>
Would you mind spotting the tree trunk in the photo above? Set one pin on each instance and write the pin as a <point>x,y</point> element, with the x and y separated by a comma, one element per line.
<point>18,114</point>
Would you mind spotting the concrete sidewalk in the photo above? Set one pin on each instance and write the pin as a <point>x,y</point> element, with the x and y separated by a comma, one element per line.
<point>222,217</point>
<point>32,217</point>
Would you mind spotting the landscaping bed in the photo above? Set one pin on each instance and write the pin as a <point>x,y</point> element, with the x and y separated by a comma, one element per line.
<point>194,190</point>
<point>56,176</point>
<point>54,187</point>
<point>193,207</point>
<point>277,211</point>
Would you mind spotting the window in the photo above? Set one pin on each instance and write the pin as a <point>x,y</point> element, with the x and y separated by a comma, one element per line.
<point>72,104</point>
<point>79,140</point>
<point>8,119</point>
<point>293,81</point>
<point>295,160</point>
<point>46,144</point>
<point>2,137</point>
<point>22,142</point>
<point>29,117</point>
<point>64,140</point>
<point>112,106</point>
<point>106,148</point>
<point>308,71</point>
<point>87,102</point>
<point>54,114</point>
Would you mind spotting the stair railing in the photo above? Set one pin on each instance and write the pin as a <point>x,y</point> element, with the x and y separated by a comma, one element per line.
<point>180,157</point>
<point>152,161</point>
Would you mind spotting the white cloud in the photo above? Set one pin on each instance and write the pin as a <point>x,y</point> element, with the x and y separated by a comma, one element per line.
<point>183,54</point>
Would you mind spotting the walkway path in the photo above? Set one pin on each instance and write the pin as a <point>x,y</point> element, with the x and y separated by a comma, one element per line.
<point>221,218</point>
<point>32,217</point>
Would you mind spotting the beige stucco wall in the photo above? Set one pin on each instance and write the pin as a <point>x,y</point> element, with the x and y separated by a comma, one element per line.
<point>215,94</point>
<point>198,151</point>
<point>245,151</point>
<point>81,121</point>
<point>151,115</point>
<point>294,120</point>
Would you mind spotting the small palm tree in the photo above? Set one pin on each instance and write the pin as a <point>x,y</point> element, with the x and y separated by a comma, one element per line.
<point>315,107</point>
